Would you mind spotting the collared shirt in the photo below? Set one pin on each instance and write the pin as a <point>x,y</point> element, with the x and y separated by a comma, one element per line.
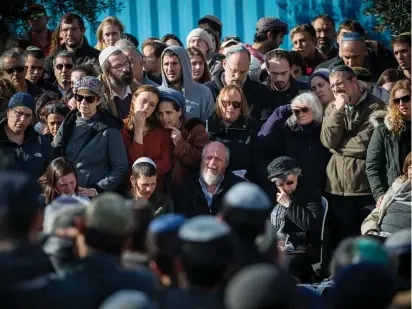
<point>349,107</point>
<point>209,196</point>
<point>128,91</point>
<point>123,104</point>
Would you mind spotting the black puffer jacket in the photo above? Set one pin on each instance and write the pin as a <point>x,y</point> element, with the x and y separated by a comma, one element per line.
<point>239,137</point>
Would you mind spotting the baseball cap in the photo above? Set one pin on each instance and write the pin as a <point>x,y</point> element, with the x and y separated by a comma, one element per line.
<point>110,214</point>
<point>362,74</point>
<point>35,8</point>
<point>268,23</point>
<point>212,18</point>
<point>229,40</point>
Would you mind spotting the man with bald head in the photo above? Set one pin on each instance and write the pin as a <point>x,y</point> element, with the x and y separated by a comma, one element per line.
<point>202,194</point>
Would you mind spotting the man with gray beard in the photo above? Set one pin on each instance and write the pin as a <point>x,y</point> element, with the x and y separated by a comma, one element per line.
<point>202,195</point>
<point>117,79</point>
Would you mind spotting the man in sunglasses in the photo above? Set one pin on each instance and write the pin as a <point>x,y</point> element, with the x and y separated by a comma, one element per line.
<point>39,35</point>
<point>63,64</point>
<point>346,132</point>
<point>12,66</point>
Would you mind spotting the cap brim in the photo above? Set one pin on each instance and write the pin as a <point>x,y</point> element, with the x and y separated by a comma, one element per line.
<point>224,44</point>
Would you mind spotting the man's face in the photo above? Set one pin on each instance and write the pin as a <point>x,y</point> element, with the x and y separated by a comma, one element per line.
<point>136,62</point>
<point>14,70</point>
<point>341,34</point>
<point>325,34</point>
<point>214,163</point>
<point>63,69</point>
<point>340,83</point>
<point>34,69</point>
<point>111,34</point>
<point>304,43</point>
<point>279,73</point>
<point>150,62</point>
<point>19,118</point>
<point>198,42</point>
<point>236,68</point>
<point>353,53</point>
<point>144,186</point>
<point>172,68</point>
<point>72,34</point>
<point>53,122</point>
<point>120,71</point>
<point>402,52</point>
<point>38,20</point>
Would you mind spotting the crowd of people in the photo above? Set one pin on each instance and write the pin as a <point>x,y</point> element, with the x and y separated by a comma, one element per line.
<point>221,175</point>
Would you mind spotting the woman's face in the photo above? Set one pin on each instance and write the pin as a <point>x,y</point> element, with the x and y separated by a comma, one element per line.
<point>168,115</point>
<point>66,185</point>
<point>304,115</point>
<point>288,184</point>
<point>53,122</point>
<point>111,34</point>
<point>86,109</point>
<point>321,88</point>
<point>231,106</point>
<point>198,67</point>
<point>402,99</point>
<point>146,102</point>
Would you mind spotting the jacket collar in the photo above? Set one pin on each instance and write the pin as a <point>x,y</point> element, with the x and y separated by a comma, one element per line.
<point>29,134</point>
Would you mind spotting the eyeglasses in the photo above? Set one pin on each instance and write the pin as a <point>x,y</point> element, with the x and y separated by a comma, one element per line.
<point>19,69</point>
<point>235,104</point>
<point>303,110</point>
<point>34,68</point>
<point>20,114</point>
<point>121,67</point>
<point>282,184</point>
<point>60,66</point>
<point>89,99</point>
<point>36,16</point>
<point>236,72</point>
<point>404,99</point>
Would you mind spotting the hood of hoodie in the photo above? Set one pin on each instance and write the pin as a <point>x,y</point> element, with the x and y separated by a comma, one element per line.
<point>184,60</point>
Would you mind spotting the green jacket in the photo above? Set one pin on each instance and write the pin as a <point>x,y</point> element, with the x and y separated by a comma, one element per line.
<point>382,160</point>
<point>346,134</point>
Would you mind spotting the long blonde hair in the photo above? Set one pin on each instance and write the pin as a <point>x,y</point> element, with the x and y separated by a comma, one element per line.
<point>227,90</point>
<point>110,20</point>
<point>395,117</point>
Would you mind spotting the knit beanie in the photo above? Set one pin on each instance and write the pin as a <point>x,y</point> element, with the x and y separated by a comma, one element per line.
<point>169,94</point>
<point>323,73</point>
<point>22,99</point>
<point>204,35</point>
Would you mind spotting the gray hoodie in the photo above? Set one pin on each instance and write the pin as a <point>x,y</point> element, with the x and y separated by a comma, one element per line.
<point>199,98</point>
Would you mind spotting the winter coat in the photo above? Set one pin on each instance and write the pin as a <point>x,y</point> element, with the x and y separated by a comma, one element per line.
<point>400,191</point>
<point>31,157</point>
<point>199,99</point>
<point>382,160</point>
<point>239,137</point>
<point>278,116</point>
<point>102,161</point>
<point>256,93</point>
<point>346,134</point>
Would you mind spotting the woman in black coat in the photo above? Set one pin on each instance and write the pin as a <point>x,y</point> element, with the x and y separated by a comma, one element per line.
<point>230,125</point>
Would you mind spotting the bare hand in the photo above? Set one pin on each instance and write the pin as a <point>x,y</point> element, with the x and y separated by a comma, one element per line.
<point>175,134</point>
<point>89,192</point>
<point>297,106</point>
<point>282,198</point>
<point>140,120</point>
<point>341,99</point>
<point>378,203</point>
<point>45,129</point>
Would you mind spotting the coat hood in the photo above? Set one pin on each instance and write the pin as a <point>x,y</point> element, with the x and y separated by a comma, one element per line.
<point>381,116</point>
<point>183,56</point>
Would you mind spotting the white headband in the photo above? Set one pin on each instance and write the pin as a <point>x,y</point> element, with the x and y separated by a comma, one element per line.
<point>145,160</point>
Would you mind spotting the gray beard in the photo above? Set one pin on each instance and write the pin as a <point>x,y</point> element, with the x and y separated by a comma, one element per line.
<point>211,179</point>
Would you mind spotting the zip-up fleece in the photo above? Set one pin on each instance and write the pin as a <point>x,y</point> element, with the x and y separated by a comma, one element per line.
<point>199,98</point>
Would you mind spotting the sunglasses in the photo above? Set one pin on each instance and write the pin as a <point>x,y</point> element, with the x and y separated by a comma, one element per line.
<point>60,66</point>
<point>304,110</point>
<point>15,69</point>
<point>235,104</point>
<point>89,99</point>
<point>404,99</point>
<point>287,183</point>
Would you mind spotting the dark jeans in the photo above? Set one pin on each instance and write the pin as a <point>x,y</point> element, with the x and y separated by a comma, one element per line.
<point>346,214</point>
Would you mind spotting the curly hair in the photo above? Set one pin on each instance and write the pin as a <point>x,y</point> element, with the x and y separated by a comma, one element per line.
<point>151,121</point>
<point>6,92</point>
<point>395,117</point>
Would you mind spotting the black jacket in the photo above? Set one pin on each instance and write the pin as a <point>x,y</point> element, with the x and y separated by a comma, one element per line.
<point>191,201</point>
<point>31,157</point>
<point>256,93</point>
<point>239,137</point>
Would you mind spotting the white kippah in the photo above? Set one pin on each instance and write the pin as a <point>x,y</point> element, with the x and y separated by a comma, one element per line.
<point>144,159</point>
<point>105,53</point>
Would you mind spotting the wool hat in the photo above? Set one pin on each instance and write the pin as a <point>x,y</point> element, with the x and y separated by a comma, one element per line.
<point>260,286</point>
<point>22,99</point>
<point>203,34</point>
<point>212,18</point>
<point>110,214</point>
<point>90,83</point>
<point>144,160</point>
<point>362,74</point>
<point>105,54</point>
<point>205,240</point>
<point>169,94</point>
<point>323,73</point>
<point>268,23</point>
<point>353,36</point>
<point>281,166</point>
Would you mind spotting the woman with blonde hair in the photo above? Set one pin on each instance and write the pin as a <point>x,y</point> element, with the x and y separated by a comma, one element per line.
<point>390,142</point>
<point>231,125</point>
<point>109,32</point>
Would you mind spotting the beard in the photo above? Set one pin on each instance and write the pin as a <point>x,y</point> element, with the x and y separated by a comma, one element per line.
<point>125,79</point>
<point>280,85</point>
<point>210,178</point>
<point>325,45</point>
